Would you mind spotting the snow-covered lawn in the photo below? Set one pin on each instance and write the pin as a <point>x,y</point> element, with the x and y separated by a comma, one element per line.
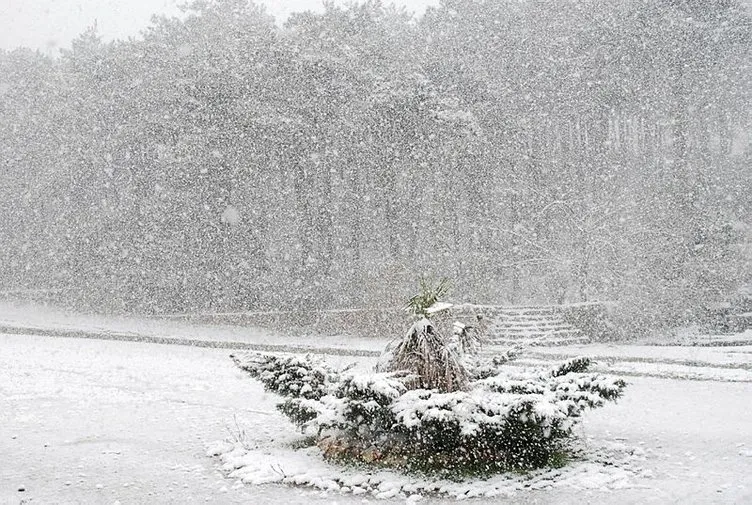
<point>630,366</point>
<point>89,421</point>
<point>45,318</point>
<point>722,355</point>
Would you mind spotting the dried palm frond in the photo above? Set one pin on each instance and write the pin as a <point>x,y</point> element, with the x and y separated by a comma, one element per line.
<point>424,353</point>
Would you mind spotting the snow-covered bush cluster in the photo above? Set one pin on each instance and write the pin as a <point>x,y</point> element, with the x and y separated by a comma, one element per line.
<point>429,406</point>
<point>293,377</point>
<point>510,420</point>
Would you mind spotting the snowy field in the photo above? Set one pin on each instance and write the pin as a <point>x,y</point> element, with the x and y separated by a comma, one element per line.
<point>93,421</point>
<point>87,421</point>
<point>45,318</point>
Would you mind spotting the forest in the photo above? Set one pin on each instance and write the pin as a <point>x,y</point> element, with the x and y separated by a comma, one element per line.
<point>599,151</point>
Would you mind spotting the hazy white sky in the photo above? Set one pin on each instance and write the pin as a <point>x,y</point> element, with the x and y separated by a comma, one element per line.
<point>50,24</point>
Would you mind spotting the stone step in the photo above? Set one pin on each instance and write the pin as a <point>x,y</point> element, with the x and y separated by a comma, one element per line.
<point>530,338</point>
<point>507,311</point>
<point>525,317</point>
<point>545,324</point>
<point>496,346</point>
<point>533,317</point>
<point>550,317</point>
<point>522,323</point>
<point>552,324</point>
<point>510,328</point>
<point>540,317</point>
<point>530,334</point>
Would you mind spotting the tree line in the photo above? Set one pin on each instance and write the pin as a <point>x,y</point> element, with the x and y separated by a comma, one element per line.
<point>533,152</point>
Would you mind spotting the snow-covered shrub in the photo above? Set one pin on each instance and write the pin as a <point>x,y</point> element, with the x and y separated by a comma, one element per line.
<point>519,420</point>
<point>355,421</point>
<point>292,376</point>
<point>435,358</point>
<point>302,380</point>
<point>432,363</point>
<point>425,408</point>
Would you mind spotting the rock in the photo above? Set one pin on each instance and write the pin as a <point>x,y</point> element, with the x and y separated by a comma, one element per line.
<point>371,454</point>
<point>331,446</point>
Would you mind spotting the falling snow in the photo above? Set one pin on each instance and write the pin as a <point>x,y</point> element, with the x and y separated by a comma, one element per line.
<point>579,170</point>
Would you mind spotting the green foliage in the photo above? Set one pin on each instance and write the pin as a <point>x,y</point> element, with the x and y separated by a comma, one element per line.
<point>503,422</point>
<point>419,304</point>
<point>574,365</point>
<point>433,360</point>
<point>298,410</point>
<point>292,376</point>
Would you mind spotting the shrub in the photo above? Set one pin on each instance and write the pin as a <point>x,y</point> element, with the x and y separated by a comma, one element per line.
<point>426,410</point>
<point>506,421</point>
<point>300,380</point>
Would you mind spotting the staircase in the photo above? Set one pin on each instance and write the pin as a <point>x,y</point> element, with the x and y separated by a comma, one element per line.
<point>533,325</point>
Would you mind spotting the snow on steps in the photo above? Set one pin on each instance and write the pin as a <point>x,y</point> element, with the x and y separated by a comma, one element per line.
<point>525,325</point>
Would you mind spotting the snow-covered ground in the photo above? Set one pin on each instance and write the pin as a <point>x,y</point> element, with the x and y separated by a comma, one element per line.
<point>90,421</point>
<point>41,317</point>
<point>104,421</point>
<point>606,466</point>
<point>722,355</point>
